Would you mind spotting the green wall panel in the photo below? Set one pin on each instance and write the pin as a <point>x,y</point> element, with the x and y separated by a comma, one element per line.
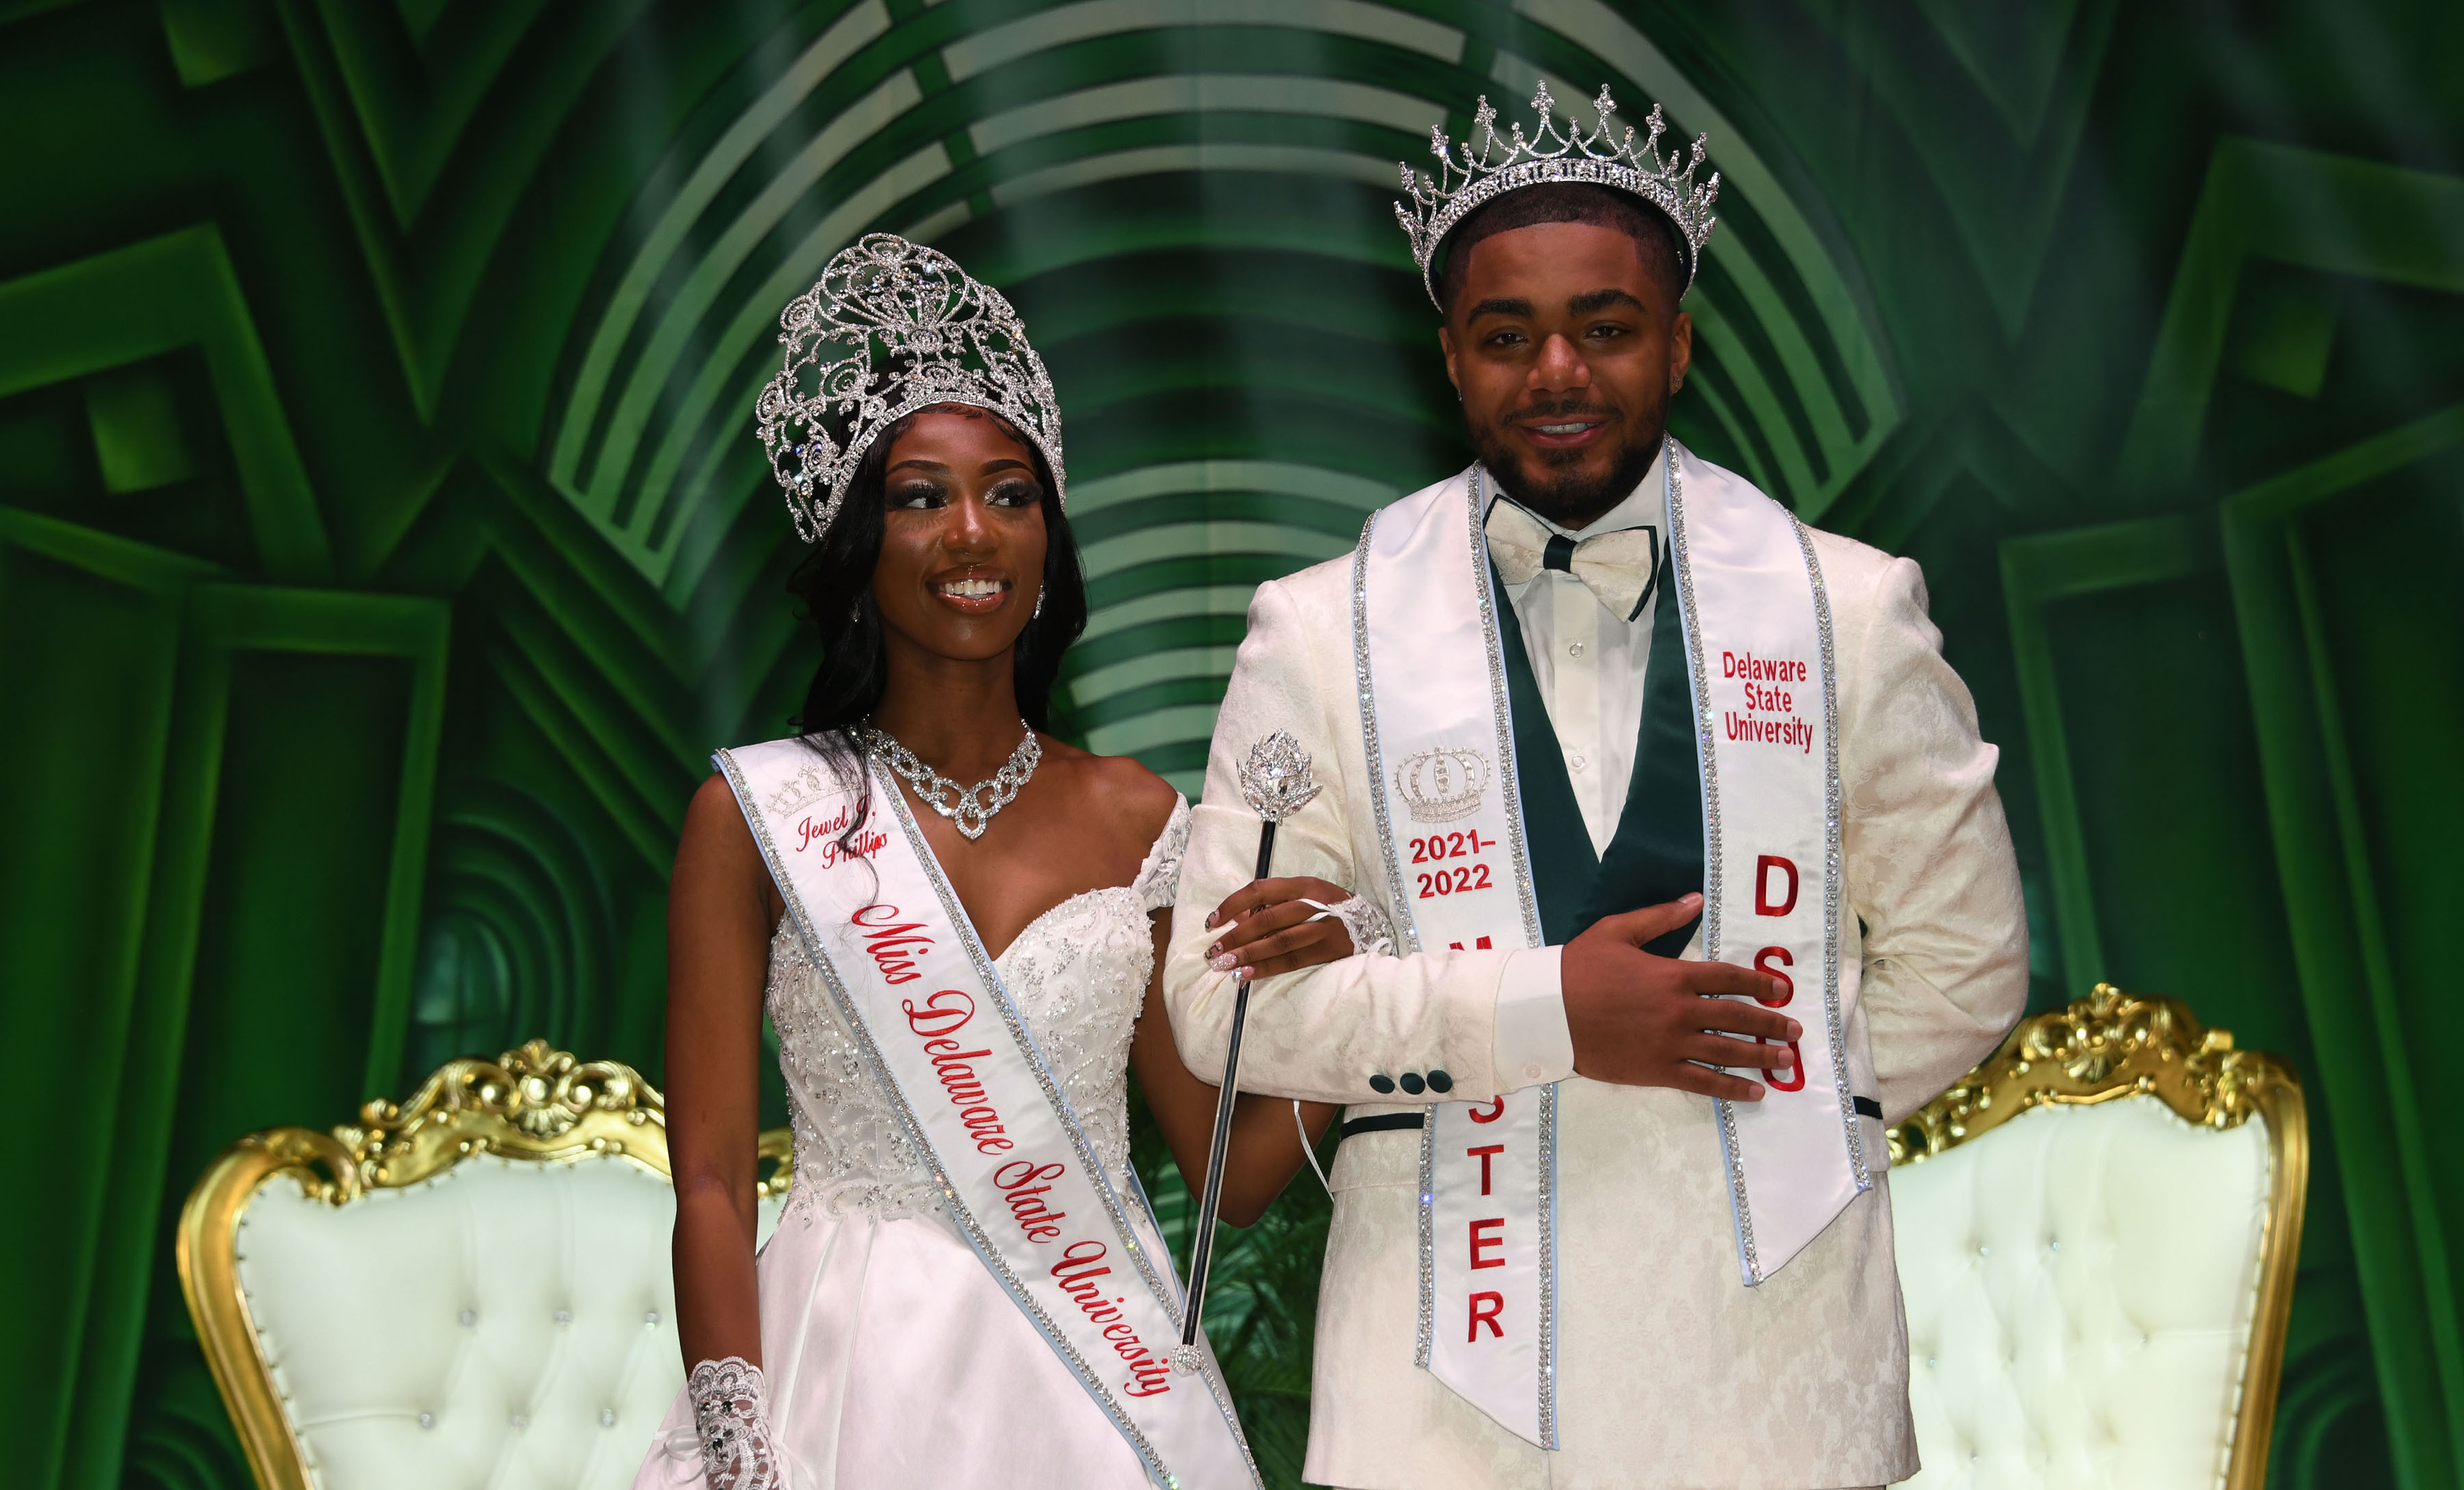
<point>78,787</point>
<point>382,551</point>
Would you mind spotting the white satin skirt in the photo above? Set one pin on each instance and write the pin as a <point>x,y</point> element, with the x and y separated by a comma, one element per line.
<point>894,1359</point>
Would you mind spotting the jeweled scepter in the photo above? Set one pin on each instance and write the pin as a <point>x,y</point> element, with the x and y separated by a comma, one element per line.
<point>1275,783</point>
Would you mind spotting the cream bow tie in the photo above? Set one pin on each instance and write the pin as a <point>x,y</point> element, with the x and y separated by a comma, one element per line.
<point>1618,568</point>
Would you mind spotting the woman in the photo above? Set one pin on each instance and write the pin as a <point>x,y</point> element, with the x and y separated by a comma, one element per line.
<point>957,1291</point>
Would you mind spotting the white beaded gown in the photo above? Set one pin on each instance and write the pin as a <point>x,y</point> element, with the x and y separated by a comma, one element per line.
<point>893,1356</point>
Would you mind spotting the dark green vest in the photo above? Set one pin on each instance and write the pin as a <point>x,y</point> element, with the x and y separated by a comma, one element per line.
<point>1657,854</point>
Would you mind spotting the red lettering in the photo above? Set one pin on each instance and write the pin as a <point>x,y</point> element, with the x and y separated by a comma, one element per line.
<point>1481,1243</point>
<point>1763,961</point>
<point>807,830</point>
<point>1017,1178</point>
<point>868,842</point>
<point>933,1019</point>
<point>1024,1171</point>
<point>888,939</point>
<point>1795,1080</point>
<point>1070,1257</point>
<point>1763,865</point>
<point>1484,1154</point>
<point>985,1126</point>
<point>1078,1269</point>
<point>1496,1110</point>
<point>1152,1379</point>
<point>1496,1306</point>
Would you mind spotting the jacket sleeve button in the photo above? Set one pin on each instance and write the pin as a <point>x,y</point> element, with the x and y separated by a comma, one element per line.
<point>1382,1083</point>
<point>1439,1080</point>
<point>1413,1083</point>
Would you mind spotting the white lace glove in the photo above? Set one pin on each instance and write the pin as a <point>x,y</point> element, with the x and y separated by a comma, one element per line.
<point>731,1405</point>
<point>1363,921</point>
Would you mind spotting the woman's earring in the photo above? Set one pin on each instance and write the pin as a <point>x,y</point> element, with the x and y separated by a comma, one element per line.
<point>1038,612</point>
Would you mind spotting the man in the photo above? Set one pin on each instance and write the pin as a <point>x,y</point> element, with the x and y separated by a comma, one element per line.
<point>1698,878</point>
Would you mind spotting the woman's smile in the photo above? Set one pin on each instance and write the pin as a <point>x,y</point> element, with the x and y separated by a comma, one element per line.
<point>976,592</point>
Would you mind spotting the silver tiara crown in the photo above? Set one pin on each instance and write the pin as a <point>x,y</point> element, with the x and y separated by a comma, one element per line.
<point>890,328</point>
<point>1465,180</point>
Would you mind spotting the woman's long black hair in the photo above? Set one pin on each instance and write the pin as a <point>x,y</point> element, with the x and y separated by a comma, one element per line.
<point>835,584</point>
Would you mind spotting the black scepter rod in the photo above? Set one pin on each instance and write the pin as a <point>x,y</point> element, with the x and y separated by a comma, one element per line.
<point>1275,783</point>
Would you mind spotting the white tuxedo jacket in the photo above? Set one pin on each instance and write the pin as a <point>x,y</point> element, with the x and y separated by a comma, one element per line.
<point>1671,1372</point>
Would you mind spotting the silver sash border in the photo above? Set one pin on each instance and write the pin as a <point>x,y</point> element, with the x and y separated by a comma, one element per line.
<point>964,1219</point>
<point>1548,1265</point>
<point>1832,860</point>
<point>1401,903</point>
<point>1403,918</point>
<point>1485,599</point>
<point>1513,782</point>
<point>1485,587</point>
<point>1673,491</point>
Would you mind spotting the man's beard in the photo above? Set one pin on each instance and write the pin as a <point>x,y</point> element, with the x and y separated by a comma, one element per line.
<point>1566,496</point>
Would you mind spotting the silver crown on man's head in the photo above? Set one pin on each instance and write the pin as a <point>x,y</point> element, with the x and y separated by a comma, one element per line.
<point>1555,153</point>
<point>890,328</point>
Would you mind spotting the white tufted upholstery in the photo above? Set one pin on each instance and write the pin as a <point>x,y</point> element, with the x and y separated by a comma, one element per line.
<point>503,1323</point>
<point>2081,1283</point>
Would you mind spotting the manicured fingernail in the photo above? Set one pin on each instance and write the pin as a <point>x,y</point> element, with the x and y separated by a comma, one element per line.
<point>1243,974</point>
<point>1223,962</point>
<point>1211,918</point>
<point>1796,1031</point>
<point>1753,1092</point>
<point>1689,898</point>
<point>1214,951</point>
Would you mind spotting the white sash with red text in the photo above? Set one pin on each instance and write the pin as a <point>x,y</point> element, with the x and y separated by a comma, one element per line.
<point>1017,1174</point>
<point>1764,683</point>
<point>1441,746</point>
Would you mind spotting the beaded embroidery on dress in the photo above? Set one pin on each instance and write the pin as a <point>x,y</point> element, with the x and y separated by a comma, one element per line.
<point>1079,973</point>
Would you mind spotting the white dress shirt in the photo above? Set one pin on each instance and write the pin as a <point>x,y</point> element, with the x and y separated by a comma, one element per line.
<point>1589,664</point>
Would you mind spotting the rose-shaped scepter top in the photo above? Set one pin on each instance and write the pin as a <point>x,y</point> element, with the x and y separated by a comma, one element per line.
<point>1275,780</point>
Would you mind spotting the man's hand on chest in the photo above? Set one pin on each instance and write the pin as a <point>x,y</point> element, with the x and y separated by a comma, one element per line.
<point>1642,1020</point>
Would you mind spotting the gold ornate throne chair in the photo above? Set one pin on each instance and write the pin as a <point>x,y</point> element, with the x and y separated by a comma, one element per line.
<point>470,1288</point>
<point>2097,1230</point>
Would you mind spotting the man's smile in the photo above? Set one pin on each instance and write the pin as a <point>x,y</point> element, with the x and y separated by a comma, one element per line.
<point>1562,431</point>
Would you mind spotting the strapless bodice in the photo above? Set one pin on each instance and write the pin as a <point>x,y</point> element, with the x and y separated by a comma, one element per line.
<point>1079,976</point>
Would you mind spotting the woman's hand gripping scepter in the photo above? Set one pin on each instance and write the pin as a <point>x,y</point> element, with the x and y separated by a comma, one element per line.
<point>1275,783</point>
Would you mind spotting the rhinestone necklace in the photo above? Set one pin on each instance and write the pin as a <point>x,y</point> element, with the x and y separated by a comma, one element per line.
<point>947,798</point>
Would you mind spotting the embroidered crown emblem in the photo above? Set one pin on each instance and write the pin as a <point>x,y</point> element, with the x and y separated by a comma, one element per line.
<point>801,791</point>
<point>1442,785</point>
<point>1466,179</point>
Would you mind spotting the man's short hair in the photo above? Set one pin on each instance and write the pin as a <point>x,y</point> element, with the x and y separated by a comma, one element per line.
<point>1654,236</point>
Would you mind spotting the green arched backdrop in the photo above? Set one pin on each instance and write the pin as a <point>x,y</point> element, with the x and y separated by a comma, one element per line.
<point>381,549</point>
